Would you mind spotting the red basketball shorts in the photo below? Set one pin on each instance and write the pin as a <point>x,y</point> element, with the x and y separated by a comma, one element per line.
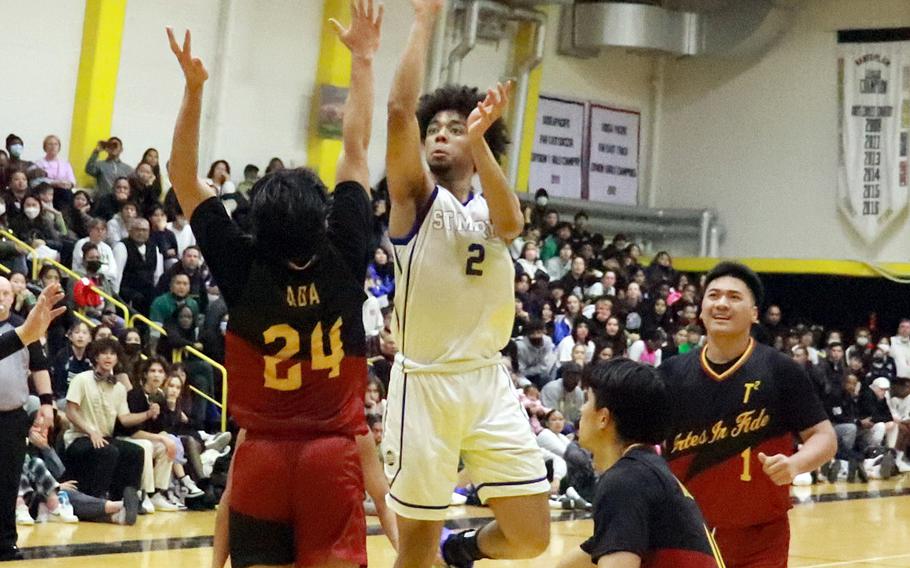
<point>759,546</point>
<point>297,502</point>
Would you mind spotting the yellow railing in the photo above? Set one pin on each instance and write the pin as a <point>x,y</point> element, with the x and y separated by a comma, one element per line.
<point>224,384</point>
<point>128,319</point>
<point>36,268</point>
<point>4,269</point>
<point>88,321</point>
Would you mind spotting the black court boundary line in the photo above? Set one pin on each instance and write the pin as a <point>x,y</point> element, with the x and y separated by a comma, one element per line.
<point>178,543</point>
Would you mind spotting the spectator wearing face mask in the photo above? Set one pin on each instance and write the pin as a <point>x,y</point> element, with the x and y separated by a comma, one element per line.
<point>900,349</point>
<point>536,354</point>
<point>528,235</point>
<point>32,227</point>
<point>81,292</point>
<point>539,211</point>
<point>15,147</point>
<point>882,364</point>
<point>862,345</point>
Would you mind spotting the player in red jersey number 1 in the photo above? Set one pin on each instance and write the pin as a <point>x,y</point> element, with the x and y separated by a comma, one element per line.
<point>739,407</point>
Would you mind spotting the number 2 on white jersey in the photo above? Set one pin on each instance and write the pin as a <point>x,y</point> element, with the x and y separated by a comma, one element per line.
<point>320,360</point>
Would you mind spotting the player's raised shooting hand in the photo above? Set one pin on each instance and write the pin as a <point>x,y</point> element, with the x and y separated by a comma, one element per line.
<point>489,110</point>
<point>193,69</point>
<point>779,468</point>
<point>362,38</point>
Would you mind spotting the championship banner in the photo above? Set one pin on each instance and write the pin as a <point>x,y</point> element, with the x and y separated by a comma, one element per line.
<point>556,158</point>
<point>874,121</point>
<point>613,155</point>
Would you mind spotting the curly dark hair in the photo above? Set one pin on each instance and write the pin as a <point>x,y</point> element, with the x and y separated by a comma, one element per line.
<point>463,100</point>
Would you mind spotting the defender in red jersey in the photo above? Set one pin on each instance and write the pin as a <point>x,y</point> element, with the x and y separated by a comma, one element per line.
<point>295,345</point>
<point>738,406</point>
<point>643,516</point>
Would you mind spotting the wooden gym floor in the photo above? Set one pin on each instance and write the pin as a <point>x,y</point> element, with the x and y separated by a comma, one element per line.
<point>840,525</point>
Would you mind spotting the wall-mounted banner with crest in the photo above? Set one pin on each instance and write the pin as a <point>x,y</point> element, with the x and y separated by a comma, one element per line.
<point>874,122</point>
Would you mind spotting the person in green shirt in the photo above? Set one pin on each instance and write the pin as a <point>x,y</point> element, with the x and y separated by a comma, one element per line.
<point>562,234</point>
<point>166,304</point>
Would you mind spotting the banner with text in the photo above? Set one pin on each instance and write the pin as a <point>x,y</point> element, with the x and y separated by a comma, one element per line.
<point>613,155</point>
<point>556,159</point>
<point>874,121</point>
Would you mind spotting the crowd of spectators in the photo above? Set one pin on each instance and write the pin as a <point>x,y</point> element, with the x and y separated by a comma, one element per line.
<point>581,298</point>
<point>127,418</point>
<point>130,435</point>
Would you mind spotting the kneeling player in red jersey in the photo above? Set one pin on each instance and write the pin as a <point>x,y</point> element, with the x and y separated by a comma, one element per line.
<point>738,406</point>
<point>643,516</point>
<point>295,346</point>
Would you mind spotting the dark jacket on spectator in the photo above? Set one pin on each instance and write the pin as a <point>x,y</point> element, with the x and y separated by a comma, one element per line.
<point>872,407</point>
<point>106,207</point>
<point>842,408</point>
<point>165,241</point>
<point>138,401</point>
<point>37,228</point>
<point>881,368</point>
<point>657,274</point>
<point>834,373</point>
<point>139,272</point>
<point>66,366</point>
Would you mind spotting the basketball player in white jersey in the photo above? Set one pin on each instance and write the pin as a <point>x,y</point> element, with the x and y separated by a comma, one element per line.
<point>450,397</point>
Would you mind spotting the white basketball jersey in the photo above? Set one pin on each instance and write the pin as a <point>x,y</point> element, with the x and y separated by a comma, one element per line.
<point>454,281</point>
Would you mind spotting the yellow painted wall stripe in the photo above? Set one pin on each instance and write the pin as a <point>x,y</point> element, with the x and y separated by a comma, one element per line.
<point>96,84</point>
<point>334,68</point>
<point>524,47</point>
<point>798,266</point>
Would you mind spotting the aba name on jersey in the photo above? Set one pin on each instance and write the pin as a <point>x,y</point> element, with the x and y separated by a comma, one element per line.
<point>454,221</point>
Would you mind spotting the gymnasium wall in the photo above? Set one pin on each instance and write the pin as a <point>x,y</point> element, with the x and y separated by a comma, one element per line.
<point>40,44</point>
<point>758,140</point>
<point>258,105</point>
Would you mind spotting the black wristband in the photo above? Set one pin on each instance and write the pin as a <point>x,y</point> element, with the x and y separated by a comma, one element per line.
<point>46,399</point>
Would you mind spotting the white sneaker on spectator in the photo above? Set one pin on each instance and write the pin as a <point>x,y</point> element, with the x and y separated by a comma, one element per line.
<point>63,514</point>
<point>146,507</point>
<point>902,466</point>
<point>161,503</point>
<point>23,517</point>
<point>192,490</point>
<point>218,441</point>
<point>204,436</point>
<point>458,499</point>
